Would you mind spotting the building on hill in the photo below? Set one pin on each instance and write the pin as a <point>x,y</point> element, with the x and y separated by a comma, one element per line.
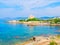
<point>31,17</point>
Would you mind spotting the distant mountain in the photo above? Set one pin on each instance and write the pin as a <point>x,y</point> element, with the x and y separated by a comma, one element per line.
<point>22,18</point>
<point>7,19</point>
<point>45,18</point>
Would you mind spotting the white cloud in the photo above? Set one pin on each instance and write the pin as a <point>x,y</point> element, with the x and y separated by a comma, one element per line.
<point>53,11</point>
<point>47,12</point>
<point>28,4</point>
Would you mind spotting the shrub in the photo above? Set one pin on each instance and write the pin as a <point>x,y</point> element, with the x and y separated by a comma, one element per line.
<point>33,19</point>
<point>53,43</point>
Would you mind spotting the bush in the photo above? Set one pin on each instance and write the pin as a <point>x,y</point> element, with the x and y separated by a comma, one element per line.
<point>56,21</point>
<point>33,19</point>
<point>53,43</point>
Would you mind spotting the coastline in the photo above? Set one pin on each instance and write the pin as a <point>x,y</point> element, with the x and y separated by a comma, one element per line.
<point>34,23</point>
<point>42,40</point>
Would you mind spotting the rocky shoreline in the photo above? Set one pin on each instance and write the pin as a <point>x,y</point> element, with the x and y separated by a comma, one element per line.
<point>41,40</point>
<point>33,23</point>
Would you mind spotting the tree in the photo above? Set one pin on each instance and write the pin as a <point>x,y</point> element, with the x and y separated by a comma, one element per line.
<point>33,19</point>
<point>56,20</point>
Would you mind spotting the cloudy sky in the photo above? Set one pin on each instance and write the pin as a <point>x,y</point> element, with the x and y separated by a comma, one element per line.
<point>23,8</point>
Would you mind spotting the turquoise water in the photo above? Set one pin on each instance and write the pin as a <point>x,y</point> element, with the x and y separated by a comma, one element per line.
<point>10,34</point>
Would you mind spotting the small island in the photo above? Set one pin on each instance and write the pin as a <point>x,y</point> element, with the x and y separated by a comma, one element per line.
<point>32,21</point>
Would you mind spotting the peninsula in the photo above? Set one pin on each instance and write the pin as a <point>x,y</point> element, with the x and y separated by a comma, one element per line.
<point>32,21</point>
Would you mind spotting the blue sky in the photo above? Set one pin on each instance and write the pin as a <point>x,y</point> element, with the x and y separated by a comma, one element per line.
<point>23,8</point>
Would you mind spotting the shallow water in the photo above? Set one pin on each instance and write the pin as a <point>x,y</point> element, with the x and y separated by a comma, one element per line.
<point>10,34</point>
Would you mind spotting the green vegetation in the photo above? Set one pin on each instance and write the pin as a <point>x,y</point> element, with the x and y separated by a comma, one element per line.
<point>58,36</point>
<point>53,43</point>
<point>54,21</point>
<point>51,21</point>
<point>33,19</point>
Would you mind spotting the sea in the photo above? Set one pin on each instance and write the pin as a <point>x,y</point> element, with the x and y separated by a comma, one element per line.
<point>12,34</point>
